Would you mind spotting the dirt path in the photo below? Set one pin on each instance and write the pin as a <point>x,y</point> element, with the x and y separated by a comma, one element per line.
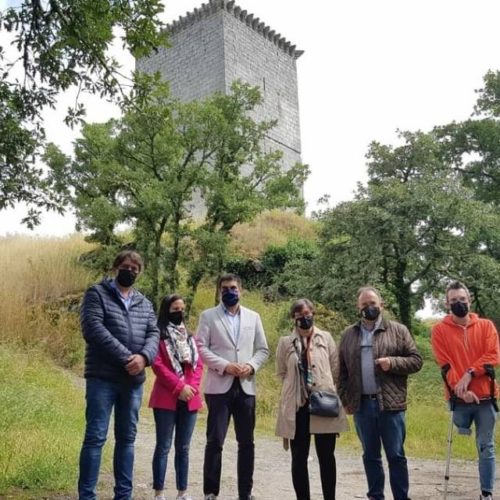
<point>272,472</point>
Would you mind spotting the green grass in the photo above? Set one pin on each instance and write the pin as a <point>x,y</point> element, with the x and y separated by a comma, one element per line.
<point>42,410</point>
<point>428,417</point>
<point>41,422</point>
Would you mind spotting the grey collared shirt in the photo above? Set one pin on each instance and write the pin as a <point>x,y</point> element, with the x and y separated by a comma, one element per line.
<point>369,381</point>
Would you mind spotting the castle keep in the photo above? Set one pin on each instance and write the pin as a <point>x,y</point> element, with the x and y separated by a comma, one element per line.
<point>219,43</point>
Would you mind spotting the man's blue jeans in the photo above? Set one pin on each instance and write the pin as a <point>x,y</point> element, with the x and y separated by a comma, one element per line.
<point>387,428</point>
<point>183,421</point>
<point>484,418</point>
<point>101,397</point>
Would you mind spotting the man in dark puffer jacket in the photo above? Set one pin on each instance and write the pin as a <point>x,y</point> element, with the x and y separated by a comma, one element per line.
<point>375,358</point>
<point>119,327</point>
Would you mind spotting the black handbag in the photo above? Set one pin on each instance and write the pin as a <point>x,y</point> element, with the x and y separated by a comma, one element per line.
<point>324,404</point>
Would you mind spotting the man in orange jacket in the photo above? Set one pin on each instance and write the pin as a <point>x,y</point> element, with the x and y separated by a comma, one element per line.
<point>468,346</point>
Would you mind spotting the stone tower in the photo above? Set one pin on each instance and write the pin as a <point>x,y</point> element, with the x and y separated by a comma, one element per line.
<point>219,43</point>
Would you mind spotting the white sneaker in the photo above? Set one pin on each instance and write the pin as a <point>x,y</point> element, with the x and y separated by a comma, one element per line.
<point>487,497</point>
<point>160,497</point>
<point>210,496</point>
<point>184,496</point>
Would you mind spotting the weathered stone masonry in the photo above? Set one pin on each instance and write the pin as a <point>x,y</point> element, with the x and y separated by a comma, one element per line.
<point>219,43</point>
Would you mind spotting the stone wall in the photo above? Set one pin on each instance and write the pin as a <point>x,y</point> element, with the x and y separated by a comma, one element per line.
<point>194,64</point>
<point>254,59</point>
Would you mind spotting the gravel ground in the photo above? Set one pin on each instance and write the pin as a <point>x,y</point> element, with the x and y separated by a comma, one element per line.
<point>272,478</point>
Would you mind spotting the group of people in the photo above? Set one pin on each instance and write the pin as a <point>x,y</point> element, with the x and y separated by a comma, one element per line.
<point>366,376</point>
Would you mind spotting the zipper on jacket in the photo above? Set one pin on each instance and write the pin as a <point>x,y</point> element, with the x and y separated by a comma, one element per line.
<point>130,333</point>
<point>126,311</point>
<point>466,339</point>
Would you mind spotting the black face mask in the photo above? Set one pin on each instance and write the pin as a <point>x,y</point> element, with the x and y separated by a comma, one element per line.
<point>305,323</point>
<point>126,277</point>
<point>176,317</point>
<point>371,313</point>
<point>459,309</point>
<point>230,298</point>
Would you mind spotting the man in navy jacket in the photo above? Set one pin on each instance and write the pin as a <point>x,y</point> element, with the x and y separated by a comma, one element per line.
<point>119,327</point>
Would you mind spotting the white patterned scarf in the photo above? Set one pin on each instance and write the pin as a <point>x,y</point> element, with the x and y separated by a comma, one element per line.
<point>181,348</point>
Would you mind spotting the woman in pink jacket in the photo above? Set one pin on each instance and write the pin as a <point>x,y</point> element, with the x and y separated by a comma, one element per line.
<point>175,398</point>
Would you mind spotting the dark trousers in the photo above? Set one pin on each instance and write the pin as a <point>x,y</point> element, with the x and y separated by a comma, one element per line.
<point>325,450</point>
<point>221,407</point>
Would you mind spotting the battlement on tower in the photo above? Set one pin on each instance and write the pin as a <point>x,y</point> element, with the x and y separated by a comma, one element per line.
<point>213,6</point>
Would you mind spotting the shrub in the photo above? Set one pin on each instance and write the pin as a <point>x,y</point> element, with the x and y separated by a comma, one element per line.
<point>276,258</point>
<point>420,328</point>
<point>251,271</point>
<point>267,271</point>
<point>272,228</point>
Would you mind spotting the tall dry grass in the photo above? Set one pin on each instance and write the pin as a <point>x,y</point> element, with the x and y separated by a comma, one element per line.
<point>274,227</point>
<point>41,409</point>
<point>40,280</point>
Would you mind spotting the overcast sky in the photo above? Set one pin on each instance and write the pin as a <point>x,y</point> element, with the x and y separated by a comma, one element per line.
<point>370,67</point>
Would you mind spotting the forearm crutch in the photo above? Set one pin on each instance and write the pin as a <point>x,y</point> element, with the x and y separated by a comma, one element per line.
<point>444,372</point>
<point>490,371</point>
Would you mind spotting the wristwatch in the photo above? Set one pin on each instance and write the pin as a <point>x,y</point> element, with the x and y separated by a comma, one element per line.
<point>470,371</point>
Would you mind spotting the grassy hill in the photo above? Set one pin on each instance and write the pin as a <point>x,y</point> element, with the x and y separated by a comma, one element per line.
<point>41,353</point>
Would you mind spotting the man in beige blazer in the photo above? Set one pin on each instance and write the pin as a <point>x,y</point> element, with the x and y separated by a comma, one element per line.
<point>233,346</point>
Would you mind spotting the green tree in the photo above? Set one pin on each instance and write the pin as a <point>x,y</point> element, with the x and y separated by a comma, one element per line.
<point>474,145</point>
<point>243,181</point>
<point>473,148</point>
<point>147,168</point>
<point>407,230</point>
<point>48,47</point>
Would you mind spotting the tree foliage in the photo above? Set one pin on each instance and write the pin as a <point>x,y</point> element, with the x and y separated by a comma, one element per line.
<point>414,225</point>
<point>473,147</point>
<point>54,46</point>
<point>148,169</point>
<point>428,215</point>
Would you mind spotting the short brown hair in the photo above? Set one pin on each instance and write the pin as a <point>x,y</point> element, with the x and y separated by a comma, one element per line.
<point>134,256</point>
<point>299,305</point>
<point>457,285</point>
<point>228,277</point>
